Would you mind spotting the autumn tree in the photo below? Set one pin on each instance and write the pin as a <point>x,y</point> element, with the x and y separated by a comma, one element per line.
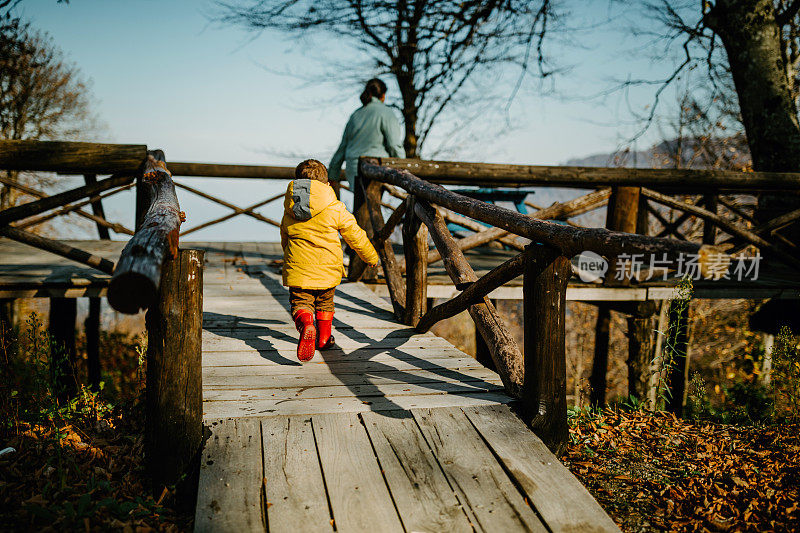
<point>434,49</point>
<point>42,95</point>
<point>749,51</point>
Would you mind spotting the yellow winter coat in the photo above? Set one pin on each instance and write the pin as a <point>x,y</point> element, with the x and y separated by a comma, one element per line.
<point>312,220</point>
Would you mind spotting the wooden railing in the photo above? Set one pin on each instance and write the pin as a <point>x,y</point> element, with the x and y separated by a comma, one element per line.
<point>639,201</point>
<point>538,379</point>
<point>152,274</point>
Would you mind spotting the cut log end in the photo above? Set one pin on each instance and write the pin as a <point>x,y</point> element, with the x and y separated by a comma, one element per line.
<point>131,292</point>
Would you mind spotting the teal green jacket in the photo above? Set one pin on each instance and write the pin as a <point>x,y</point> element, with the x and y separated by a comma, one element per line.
<point>372,130</point>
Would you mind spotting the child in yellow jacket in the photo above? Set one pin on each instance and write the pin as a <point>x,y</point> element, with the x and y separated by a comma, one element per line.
<point>312,221</point>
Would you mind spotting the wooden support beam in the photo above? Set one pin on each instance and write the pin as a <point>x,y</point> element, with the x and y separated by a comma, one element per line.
<point>391,271</point>
<point>91,328</point>
<point>391,223</point>
<point>12,214</point>
<point>76,207</point>
<point>72,157</point>
<point>567,239</point>
<point>709,230</point>
<point>544,395</point>
<point>678,356</point>
<point>622,215</point>
<point>245,210</point>
<point>505,352</point>
<point>597,379</point>
<point>497,175</point>
<point>174,403</point>
<point>59,248</point>
<point>557,211</point>
<point>97,208</point>
<point>736,210</point>
<point>475,292</point>
<point>358,269</point>
<point>237,210</point>
<point>210,170</point>
<point>671,228</point>
<point>482,352</point>
<point>61,328</point>
<point>415,248</point>
<point>722,224</point>
<point>136,279</point>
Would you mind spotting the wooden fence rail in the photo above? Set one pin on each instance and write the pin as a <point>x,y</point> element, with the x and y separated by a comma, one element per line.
<point>151,274</point>
<point>538,379</point>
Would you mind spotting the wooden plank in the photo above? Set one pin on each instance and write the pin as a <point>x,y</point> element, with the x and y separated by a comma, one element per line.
<point>559,498</point>
<point>358,495</point>
<point>295,492</point>
<point>420,490</point>
<point>263,357</point>
<point>363,391</point>
<point>493,174</point>
<point>479,481</point>
<point>323,379</point>
<point>354,404</point>
<point>71,157</point>
<point>229,488</point>
<point>342,367</point>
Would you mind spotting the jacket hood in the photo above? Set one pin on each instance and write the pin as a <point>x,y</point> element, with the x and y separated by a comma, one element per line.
<point>305,199</point>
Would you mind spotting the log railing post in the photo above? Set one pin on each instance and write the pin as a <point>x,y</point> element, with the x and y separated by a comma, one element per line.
<point>640,348</point>
<point>415,248</point>
<point>142,202</point>
<point>622,215</point>
<point>91,328</point>
<point>545,386</point>
<point>679,356</point>
<point>391,270</point>
<point>361,212</point>
<point>61,329</point>
<point>709,228</point>
<point>174,402</point>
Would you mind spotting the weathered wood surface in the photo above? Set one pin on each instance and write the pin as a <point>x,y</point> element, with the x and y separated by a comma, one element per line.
<point>59,248</point>
<point>568,239</point>
<point>231,478</point>
<point>558,211</point>
<point>12,214</point>
<point>137,276</point>
<point>415,237</point>
<point>26,272</point>
<point>391,271</point>
<point>505,352</point>
<point>71,157</point>
<point>295,491</point>
<point>99,219</point>
<point>544,397</point>
<point>505,175</point>
<point>355,440</point>
<point>173,430</point>
<point>474,292</point>
<point>540,475</point>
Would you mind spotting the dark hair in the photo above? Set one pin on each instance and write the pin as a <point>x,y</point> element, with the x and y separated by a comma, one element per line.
<point>374,87</point>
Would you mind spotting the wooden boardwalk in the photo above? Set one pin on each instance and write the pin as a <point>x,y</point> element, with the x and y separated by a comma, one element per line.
<point>395,431</point>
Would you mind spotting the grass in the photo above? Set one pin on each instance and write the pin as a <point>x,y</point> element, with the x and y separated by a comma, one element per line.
<point>77,463</point>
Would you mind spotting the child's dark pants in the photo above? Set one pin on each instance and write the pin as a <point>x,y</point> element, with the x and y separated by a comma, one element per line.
<point>320,300</point>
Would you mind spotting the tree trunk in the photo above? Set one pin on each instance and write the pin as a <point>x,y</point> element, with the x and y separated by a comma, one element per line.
<point>751,38</point>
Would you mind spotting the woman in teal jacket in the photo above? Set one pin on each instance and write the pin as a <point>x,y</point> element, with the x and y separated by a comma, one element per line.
<point>372,130</point>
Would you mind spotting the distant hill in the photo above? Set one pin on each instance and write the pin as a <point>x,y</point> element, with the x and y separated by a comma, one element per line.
<point>722,153</point>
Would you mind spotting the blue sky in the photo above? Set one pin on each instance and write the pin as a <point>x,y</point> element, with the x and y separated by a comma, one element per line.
<point>164,76</point>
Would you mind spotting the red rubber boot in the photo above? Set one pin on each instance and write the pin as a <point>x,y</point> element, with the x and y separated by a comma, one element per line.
<point>324,338</point>
<point>304,321</point>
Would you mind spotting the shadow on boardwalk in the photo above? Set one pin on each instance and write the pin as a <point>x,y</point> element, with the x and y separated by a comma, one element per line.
<point>360,360</point>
